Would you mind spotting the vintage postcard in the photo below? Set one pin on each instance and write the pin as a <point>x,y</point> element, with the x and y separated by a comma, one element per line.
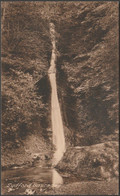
<point>59,84</point>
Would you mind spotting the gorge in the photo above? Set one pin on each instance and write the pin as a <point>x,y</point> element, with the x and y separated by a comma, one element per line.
<point>60,97</point>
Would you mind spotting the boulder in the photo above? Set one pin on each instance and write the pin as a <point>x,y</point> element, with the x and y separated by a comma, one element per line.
<point>98,161</point>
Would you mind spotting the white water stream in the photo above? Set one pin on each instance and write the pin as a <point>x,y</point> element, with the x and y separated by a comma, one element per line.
<point>56,118</point>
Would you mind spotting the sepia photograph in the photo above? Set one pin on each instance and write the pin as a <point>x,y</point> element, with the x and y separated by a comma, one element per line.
<point>60,97</point>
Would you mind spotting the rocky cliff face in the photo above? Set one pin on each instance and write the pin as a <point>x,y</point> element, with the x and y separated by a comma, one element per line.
<point>88,85</point>
<point>88,71</point>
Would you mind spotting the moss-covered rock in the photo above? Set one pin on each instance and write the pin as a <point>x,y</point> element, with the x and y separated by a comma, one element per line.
<point>98,161</point>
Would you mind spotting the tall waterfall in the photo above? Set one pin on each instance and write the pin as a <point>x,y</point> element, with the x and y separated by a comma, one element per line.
<point>56,118</point>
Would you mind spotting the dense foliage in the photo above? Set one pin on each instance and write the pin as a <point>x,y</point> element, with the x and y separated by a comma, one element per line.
<point>25,52</point>
<point>87,44</point>
<point>89,60</point>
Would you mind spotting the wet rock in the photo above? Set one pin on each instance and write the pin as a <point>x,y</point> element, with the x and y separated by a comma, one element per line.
<point>98,161</point>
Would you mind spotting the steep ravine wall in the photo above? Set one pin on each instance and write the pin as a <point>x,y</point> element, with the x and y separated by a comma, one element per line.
<point>88,59</point>
<point>25,106</point>
<point>88,66</point>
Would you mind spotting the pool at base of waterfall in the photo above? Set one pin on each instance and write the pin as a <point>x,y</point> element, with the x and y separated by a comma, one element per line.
<point>28,181</point>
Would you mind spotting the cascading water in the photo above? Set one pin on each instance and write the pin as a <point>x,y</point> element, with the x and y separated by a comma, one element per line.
<point>57,124</point>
